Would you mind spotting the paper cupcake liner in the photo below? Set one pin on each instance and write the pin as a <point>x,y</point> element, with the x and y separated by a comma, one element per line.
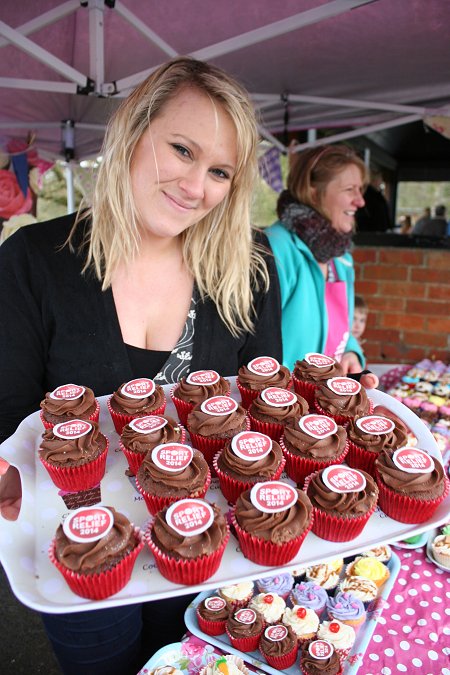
<point>342,653</point>
<point>265,552</point>
<point>247,395</point>
<point>75,500</point>
<point>283,661</point>
<point>211,627</point>
<point>407,509</point>
<point>93,418</point>
<point>360,458</point>
<point>343,420</point>
<point>231,488</point>
<point>244,644</point>
<point>230,658</point>
<point>135,459</point>
<point>77,478</point>
<point>441,558</point>
<point>187,572</point>
<point>120,420</point>
<point>235,603</point>
<point>155,503</point>
<point>183,408</point>
<point>211,446</point>
<point>305,389</point>
<point>301,639</point>
<point>102,585</point>
<point>275,431</point>
<point>298,468</point>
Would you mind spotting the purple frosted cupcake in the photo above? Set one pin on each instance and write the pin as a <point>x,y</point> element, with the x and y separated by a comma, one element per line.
<point>310,595</point>
<point>347,608</point>
<point>281,584</point>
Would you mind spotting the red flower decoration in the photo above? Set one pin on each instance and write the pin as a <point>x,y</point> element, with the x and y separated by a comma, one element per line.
<point>12,200</point>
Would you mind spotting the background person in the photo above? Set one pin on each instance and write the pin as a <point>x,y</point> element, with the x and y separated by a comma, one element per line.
<point>311,244</point>
<point>374,216</point>
<point>436,227</point>
<point>152,285</point>
<point>360,318</point>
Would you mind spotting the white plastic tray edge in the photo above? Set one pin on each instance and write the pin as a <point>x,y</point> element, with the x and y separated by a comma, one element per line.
<point>363,638</point>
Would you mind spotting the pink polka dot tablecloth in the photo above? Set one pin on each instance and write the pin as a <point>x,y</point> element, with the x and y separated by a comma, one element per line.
<point>413,632</point>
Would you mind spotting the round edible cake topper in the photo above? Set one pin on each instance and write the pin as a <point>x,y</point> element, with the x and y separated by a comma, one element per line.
<point>375,425</point>
<point>138,388</point>
<point>278,397</point>
<point>342,479</point>
<point>321,649</point>
<point>276,633</point>
<point>89,523</point>
<point>173,457</point>
<point>203,377</point>
<point>189,517</point>
<point>251,445</point>
<point>264,366</point>
<point>245,615</point>
<point>68,392</point>
<point>215,603</point>
<point>317,426</point>
<point>344,386</point>
<point>413,460</point>
<point>319,360</point>
<point>72,429</point>
<point>219,405</point>
<point>273,496</point>
<point>147,424</point>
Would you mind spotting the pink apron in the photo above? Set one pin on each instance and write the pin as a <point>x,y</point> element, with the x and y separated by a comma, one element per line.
<point>336,304</point>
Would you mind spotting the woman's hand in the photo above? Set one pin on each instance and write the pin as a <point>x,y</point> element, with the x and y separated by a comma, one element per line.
<point>351,365</point>
<point>10,491</point>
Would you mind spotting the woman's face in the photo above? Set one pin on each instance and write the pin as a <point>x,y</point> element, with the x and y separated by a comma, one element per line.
<point>342,198</point>
<point>184,163</point>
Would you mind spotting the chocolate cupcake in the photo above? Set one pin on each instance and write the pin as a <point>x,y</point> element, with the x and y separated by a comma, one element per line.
<point>145,433</point>
<point>343,399</point>
<point>136,398</point>
<point>273,408</point>
<point>312,371</point>
<point>368,435</point>
<point>258,374</point>
<point>68,402</point>
<point>196,388</point>
<point>244,628</point>
<point>212,615</point>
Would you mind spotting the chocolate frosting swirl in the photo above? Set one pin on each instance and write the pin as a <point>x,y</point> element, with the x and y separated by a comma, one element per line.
<point>394,439</point>
<point>259,382</point>
<point>181,547</point>
<point>197,393</point>
<point>211,615</point>
<point>96,556</point>
<point>308,373</point>
<point>241,630</point>
<point>126,405</point>
<point>353,405</point>
<point>261,410</point>
<point>72,451</point>
<point>278,647</point>
<point>142,443</point>
<point>301,444</point>
<point>65,409</point>
<point>221,426</point>
<point>417,485</point>
<point>275,527</point>
<point>313,666</point>
<point>342,503</point>
<point>259,470</point>
<point>183,483</point>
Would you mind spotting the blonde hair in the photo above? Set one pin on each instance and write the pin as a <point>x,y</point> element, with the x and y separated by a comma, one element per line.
<point>218,250</point>
<point>314,168</point>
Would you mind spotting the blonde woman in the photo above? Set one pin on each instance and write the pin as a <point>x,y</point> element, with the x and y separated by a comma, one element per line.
<point>162,276</point>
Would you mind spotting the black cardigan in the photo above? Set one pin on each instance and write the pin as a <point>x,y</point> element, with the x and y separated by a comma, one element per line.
<point>58,326</point>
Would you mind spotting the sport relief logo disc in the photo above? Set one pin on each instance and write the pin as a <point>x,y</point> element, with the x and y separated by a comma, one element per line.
<point>319,360</point>
<point>245,615</point>
<point>88,524</point>
<point>141,387</point>
<point>344,386</point>
<point>273,496</point>
<point>203,377</point>
<point>413,460</point>
<point>215,603</point>
<point>147,424</point>
<point>68,392</point>
<point>219,405</point>
<point>278,397</point>
<point>251,445</point>
<point>72,429</point>
<point>173,457</point>
<point>276,633</point>
<point>317,426</point>
<point>321,649</point>
<point>375,425</point>
<point>343,479</point>
<point>189,517</point>
<point>264,366</point>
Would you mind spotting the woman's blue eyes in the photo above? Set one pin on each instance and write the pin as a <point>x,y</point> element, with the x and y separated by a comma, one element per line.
<point>184,152</point>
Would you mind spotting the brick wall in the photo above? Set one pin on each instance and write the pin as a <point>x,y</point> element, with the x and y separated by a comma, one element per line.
<point>408,293</point>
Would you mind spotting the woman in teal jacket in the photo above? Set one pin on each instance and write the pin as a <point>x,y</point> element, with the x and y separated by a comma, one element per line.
<point>311,243</point>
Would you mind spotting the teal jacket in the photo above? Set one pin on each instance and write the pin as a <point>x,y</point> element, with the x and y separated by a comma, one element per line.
<point>304,318</point>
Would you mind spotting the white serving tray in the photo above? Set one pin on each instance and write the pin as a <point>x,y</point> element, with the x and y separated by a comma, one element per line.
<point>37,583</point>
<point>352,662</point>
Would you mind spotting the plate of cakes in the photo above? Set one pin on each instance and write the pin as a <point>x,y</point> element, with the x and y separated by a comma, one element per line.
<point>217,479</point>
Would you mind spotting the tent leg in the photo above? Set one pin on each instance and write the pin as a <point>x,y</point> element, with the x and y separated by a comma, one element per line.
<point>70,191</point>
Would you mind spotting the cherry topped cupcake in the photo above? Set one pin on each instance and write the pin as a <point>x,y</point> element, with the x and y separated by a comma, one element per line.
<point>136,398</point>
<point>68,402</point>
<point>195,388</point>
<point>343,399</point>
<point>258,374</point>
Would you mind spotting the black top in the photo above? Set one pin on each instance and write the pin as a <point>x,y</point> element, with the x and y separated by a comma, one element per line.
<point>57,325</point>
<point>145,362</point>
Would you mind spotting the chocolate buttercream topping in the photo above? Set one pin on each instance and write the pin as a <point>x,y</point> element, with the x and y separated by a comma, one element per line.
<point>142,443</point>
<point>96,556</point>
<point>309,373</point>
<point>222,426</point>
<point>259,382</point>
<point>342,503</point>
<point>211,615</point>
<point>197,393</point>
<point>80,408</point>
<point>242,630</point>
<point>137,406</point>
<point>417,485</point>
<point>394,439</point>
<point>183,483</point>
<point>314,666</point>
<point>240,469</point>
<point>261,410</point>
<point>301,444</point>
<point>181,547</point>
<point>73,451</point>
<point>275,527</point>
<point>278,647</point>
<point>352,405</point>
